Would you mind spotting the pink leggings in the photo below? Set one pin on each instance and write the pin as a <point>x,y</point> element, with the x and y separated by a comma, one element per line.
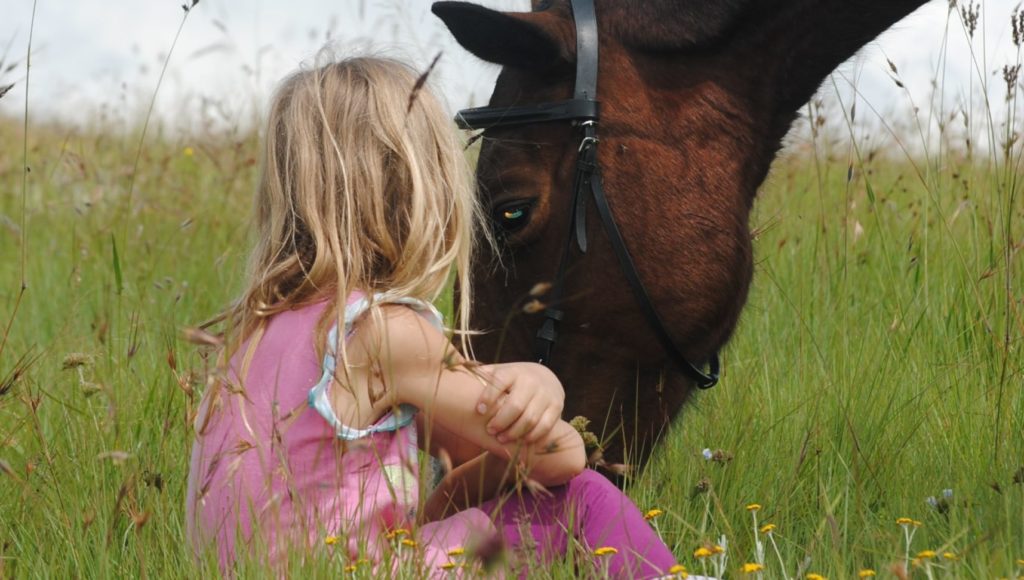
<point>596,513</point>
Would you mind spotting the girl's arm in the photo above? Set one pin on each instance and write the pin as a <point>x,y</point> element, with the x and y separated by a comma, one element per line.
<point>419,366</point>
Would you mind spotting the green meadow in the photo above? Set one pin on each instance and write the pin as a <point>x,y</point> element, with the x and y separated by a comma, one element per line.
<point>876,373</point>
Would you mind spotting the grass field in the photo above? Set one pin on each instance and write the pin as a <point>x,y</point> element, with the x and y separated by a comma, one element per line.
<point>878,363</point>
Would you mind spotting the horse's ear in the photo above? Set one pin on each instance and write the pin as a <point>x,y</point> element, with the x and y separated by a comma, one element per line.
<point>518,39</point>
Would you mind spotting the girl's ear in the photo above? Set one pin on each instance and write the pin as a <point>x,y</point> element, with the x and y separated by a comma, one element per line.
<point>529,40</point>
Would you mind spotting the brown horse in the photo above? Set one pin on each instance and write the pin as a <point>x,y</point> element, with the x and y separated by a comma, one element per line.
<point>696,97</point>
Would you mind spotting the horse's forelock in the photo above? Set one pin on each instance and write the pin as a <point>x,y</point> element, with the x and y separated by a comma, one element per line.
<point>671,24</point>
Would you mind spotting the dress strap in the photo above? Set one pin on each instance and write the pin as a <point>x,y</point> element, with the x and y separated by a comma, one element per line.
<point>318,398</point>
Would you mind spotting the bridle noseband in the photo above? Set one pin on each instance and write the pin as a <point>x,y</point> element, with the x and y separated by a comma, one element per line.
<point>584,112</point>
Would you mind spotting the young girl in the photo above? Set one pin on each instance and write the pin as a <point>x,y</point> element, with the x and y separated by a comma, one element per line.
<point>336,369</point>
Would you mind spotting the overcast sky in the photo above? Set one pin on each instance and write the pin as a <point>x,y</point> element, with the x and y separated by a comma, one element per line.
<point>102,57</point>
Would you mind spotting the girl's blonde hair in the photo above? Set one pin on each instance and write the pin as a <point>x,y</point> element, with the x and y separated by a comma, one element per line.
<point>364,187</point>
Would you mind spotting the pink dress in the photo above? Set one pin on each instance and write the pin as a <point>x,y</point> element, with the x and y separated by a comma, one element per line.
<point>272,467</point>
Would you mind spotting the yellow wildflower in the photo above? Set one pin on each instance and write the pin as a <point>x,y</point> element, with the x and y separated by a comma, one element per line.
<point>917,524</point>
<point>448,566</point>
<point>750,568</point>
<point>904,521</point>
<point>351,568</point>
<point>1020,562</point>
<point>188,152</point>
<point>456,551</point>
<point>408,542</point>
<point>679,570</point>
<point>331,540</point>
<point>926,554</point>
<point>651,514</point>
<point>605,551</point>
<point>717,549</point>
<point>950,556</point>
<point>813,576</point>
<point>866,573</point>
<point>767,528</point>
<point>397,533</point>
<point>702,552</point>
<point>753,507</point>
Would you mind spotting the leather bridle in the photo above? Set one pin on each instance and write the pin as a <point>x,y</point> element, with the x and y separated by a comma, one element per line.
<point>583,111</point>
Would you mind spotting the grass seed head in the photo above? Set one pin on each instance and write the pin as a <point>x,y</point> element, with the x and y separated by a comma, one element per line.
<point>539,289</point>
<point>533,307</point>
<point>73,360</point>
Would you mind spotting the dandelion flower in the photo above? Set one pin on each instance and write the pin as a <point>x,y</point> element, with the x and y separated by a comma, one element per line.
<point>767,528</point>
<point>952,557</point>
<point>651,514</point>
<point>351,568</point>
<point>866,573</point>
<point>1020,562</point>
<point>751,567</point>
<point>331,540</point>
<point>717,549</point>
<point>917,524</point>
<point>702,552</point>
<point>926,554</point>
<point>679,571</point>
<point>456,551</point>
<point>605,551</point>
<point>813,576</point>
<point>408,542</point>
<point>397,533</point>
<point>904,521</point>
<point>753,507</point>
<point>188,152</point>
<point>448,566</point>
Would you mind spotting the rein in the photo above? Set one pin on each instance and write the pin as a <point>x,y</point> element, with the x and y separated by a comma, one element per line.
<point>583,111</point>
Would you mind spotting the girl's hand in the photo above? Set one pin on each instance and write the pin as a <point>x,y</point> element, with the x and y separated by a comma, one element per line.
<point>524,401</point>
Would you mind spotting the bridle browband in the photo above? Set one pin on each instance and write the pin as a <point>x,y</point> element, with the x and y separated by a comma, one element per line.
<point>584,112</point>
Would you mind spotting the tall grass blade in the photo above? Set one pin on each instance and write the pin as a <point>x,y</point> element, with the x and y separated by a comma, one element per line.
<point>118,279</point>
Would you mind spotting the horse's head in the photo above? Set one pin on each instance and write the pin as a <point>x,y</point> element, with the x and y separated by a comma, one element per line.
<point>695,99</point>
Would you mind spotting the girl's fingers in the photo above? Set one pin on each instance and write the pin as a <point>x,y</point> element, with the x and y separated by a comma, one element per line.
<point>525,423</point>
<point>544,426</point>
<point>497,385</point>
<point>509,409</point>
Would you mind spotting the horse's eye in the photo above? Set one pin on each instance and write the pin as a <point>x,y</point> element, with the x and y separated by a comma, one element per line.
<point>512,216</point>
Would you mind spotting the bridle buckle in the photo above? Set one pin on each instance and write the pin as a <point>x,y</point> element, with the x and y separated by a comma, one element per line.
<point>587,142</point>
